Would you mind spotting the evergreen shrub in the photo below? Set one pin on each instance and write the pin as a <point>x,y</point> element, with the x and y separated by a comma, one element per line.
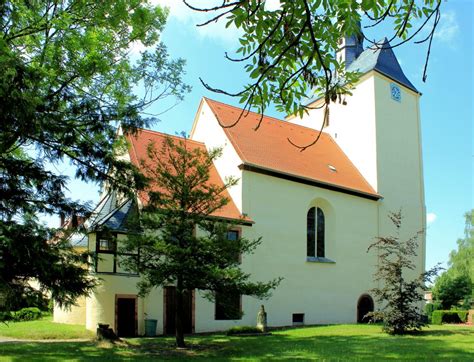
<point>449,316</point>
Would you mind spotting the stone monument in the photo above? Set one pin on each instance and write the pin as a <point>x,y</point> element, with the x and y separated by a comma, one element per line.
<point>262,319</point>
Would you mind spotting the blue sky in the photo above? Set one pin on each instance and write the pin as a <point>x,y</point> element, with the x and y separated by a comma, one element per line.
<point>446,106</point>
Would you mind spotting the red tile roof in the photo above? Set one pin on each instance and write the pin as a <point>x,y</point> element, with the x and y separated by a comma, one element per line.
<point>138,152</point>
<point>268,149</point>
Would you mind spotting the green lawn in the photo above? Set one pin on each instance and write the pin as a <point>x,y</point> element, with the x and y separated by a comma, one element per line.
<point>341,342</point>
<point>43,329</point>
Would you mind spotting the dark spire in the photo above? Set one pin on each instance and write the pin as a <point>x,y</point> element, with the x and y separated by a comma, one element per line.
<point>381,58</point>
<point>351,46</point>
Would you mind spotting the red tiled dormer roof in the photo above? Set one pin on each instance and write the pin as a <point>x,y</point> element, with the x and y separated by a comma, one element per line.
<point>138,151</point>
<point>268,151</point>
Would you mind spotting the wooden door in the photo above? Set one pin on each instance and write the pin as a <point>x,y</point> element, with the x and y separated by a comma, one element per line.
<point>126,317</point>
<point>170,311</point>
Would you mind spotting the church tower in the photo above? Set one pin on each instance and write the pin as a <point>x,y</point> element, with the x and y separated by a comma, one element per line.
<point>379,129</point>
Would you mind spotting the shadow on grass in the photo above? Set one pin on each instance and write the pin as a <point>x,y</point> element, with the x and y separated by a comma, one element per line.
<point>428,345</point>
<point>445,333</point>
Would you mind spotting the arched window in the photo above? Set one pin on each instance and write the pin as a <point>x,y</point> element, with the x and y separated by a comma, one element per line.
<point>311,232</point>
<point>320,233</point>
<point>315,227</point>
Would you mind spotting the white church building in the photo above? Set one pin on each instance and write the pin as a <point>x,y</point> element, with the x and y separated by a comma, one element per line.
<point>317,210</point>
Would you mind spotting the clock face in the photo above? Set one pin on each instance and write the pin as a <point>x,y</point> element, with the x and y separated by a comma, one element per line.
<point>395,92</point>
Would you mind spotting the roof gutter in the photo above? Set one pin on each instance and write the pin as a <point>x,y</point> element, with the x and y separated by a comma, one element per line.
<point>308,181</point>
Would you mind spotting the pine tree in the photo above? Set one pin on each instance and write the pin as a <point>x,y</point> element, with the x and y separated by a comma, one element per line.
<point>181,242</point>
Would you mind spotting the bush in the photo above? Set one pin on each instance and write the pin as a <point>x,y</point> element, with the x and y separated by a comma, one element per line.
<point>430,308</point>
<point>242,330</point>
<point>449,316</point>
<point>27,314</point>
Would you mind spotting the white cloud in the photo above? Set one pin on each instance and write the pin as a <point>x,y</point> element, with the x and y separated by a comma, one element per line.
<point>430,218</point>
<point>448,27</point>
<point>214,31</point>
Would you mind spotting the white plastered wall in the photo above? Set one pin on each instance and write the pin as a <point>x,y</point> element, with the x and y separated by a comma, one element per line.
<point>352,126</point>
<point>206,129</point>
<point>100,305</point>
<point>382,138</point>
<point>399,161</point>
<point>324,292</point>
<point>74,315</point>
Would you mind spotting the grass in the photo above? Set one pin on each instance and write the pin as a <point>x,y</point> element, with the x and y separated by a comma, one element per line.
<point>44,328</point>
<point>337,342</point>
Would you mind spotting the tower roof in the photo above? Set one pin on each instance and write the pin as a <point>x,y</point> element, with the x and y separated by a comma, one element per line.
<point>381,58</point>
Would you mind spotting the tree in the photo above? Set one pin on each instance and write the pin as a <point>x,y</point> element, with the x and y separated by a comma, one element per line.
<point>66,83</point>
<point>182,243</point>
<point>289,51</point>
<point>456,283</point>
<point>399,297</point>
<point>461,261</point>
<point>449,290</point>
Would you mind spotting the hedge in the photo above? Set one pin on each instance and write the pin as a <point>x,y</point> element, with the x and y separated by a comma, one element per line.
<point>430,308</point>
<point>27,314</point>
<point>449,316</point>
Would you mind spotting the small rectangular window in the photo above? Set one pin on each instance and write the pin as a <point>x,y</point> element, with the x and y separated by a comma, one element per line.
<point>106,242</point>
<point>233,235</point>
<point>298,318</point>
<point>228,306</point>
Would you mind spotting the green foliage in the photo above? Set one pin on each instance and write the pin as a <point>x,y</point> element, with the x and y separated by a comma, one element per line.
<point>234,331</point>
<point>461,261</point>
<point>182,243</point>
<point>399,297</point>
<point>29,297</point>
<point>429,309</point>
<point>27,314</point>
<point>450,291</point>
<point>67,82</point>
<point>290,52</point>
<point>456,285</point>
<point>27,254</point>
<point>449,316</point>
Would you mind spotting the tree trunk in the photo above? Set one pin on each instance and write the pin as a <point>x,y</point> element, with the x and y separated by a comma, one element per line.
<point>179,314</point>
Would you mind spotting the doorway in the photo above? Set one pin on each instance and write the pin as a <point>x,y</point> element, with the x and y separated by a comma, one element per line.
<point>364,306</point>
<point>126,315</point>
<point>170,311</point>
